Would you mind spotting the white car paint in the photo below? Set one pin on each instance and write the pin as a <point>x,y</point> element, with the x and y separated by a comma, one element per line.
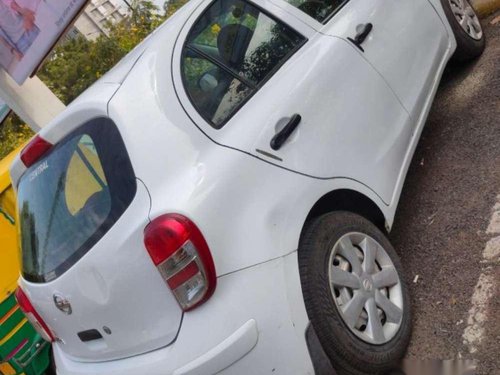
<point>406,47</point>
<point>240,297</point>
<point>379,129</point>
<point>360,127</point>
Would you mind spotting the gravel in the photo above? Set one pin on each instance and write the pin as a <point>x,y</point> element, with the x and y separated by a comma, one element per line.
<point>445,208</point>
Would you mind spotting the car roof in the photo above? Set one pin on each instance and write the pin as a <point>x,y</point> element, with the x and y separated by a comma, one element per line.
<point>119,72</point>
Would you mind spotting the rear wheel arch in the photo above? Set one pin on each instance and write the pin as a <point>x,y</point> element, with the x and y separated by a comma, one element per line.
<point>351,201</point>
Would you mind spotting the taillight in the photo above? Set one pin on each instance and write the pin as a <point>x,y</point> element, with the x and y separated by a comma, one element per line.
<point>182,257</point>
<point>33,317</point>
<point>34,150</point>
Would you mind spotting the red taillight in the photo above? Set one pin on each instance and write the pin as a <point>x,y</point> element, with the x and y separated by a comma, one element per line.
<point>33,317</point>
<point>182,257</point>
<point>34,150</point>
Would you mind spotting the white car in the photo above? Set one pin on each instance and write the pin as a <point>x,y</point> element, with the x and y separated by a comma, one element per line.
<point>220,201</point>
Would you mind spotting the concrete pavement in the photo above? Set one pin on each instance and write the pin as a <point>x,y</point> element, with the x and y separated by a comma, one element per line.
<point>443,229</point>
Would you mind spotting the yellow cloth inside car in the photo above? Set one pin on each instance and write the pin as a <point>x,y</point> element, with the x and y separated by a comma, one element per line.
<point>80,184</point>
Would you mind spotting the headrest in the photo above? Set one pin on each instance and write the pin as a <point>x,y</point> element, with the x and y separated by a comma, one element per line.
<point>232,43</point>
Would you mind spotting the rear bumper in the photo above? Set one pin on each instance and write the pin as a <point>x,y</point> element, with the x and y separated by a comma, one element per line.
<point>255,323</point>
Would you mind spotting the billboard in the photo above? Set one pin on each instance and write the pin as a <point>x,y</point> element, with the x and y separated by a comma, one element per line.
<point>29,29</point>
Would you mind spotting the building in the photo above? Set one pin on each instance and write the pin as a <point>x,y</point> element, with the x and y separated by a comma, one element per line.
<point>97,15</point>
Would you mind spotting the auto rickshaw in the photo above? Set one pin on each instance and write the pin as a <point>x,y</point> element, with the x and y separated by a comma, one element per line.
<point>22,350</point>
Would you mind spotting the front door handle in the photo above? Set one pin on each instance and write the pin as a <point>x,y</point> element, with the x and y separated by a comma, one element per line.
<point>361,35</point>
<point>281,136</point>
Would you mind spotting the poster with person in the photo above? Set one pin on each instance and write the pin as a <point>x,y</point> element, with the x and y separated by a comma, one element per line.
<point>29,29</point>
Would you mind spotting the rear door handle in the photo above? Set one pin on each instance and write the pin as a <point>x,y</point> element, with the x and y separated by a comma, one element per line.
<point>281,136</point>
<point>361,35</point>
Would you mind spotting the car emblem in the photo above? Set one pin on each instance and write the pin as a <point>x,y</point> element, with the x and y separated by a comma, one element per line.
<point>62,304</point>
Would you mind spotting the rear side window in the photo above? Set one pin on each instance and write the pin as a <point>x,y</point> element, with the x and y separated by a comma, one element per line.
<point>71,198</point>
<point>232,49</point>
<point>320,10</point>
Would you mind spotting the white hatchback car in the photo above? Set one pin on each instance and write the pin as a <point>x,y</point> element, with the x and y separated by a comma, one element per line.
<point>220,200</point>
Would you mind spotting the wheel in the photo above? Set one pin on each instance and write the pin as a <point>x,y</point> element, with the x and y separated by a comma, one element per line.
<point>466,28</point>
<point>354,292</point>
<point>51,370</point>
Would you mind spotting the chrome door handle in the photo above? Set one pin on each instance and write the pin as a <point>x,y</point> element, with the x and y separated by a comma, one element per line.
<point>361,35</point>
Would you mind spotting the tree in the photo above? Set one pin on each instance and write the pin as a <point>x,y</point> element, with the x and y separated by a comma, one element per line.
<point>13,133</point>
<point>172,6</point>
<point>77,63</point>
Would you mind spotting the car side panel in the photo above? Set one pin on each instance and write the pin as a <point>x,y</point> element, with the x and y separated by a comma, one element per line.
<point>248,209</point>
<point>353,125</point>
<point>406,45</point>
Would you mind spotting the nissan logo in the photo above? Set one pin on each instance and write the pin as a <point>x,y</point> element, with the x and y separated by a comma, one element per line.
<point>62,304</point>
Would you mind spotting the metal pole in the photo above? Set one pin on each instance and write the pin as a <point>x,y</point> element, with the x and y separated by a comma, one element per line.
<point>33,101</point>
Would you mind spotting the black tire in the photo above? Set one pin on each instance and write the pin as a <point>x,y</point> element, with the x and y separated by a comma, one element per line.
<point>51,370</point>
<point>348,353</point>
<point>467,47</point>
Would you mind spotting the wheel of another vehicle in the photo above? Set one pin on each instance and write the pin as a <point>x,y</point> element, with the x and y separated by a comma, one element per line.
<point>354,292</point>
<point>466,28</point>
<point>51,370</point>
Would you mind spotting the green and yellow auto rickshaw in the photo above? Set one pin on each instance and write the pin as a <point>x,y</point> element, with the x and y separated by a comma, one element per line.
<point>22,350</point>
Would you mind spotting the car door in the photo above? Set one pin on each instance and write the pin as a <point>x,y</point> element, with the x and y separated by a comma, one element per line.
<point>404,40</point>
<point>244,88</point>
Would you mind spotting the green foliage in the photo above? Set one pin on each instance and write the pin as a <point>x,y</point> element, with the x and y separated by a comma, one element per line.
<point>77,63</point>
<point>13,133</point>
<point>170,7</point>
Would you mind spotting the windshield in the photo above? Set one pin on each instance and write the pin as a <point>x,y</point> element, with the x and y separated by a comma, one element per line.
<point>70,199</point>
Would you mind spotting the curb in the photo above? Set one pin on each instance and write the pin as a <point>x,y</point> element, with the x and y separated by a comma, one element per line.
<point>485,7</point>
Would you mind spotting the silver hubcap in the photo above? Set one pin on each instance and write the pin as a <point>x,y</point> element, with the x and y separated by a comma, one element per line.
<point>366,288</point>
<point>467,18</point>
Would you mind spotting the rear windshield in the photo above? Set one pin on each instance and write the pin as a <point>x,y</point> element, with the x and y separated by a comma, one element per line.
<point>71,198</point>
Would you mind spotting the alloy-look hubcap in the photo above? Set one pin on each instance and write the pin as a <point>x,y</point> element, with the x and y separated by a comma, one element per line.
<point>366,288</point>
<point>467,18</point>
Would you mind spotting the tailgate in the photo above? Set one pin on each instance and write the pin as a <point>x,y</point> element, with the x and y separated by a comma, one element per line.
<point>82,215</point>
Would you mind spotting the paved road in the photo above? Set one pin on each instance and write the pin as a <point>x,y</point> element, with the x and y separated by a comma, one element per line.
<point>444,213</point>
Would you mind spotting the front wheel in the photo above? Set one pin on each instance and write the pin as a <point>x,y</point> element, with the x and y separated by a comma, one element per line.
<point>355,295</point>
<point>466,29</point>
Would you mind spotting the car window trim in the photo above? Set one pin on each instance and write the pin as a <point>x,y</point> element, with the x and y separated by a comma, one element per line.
<point>223,66</point>
<point>327,19</point>
<point>209,121</point>
<point>272,72</point>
